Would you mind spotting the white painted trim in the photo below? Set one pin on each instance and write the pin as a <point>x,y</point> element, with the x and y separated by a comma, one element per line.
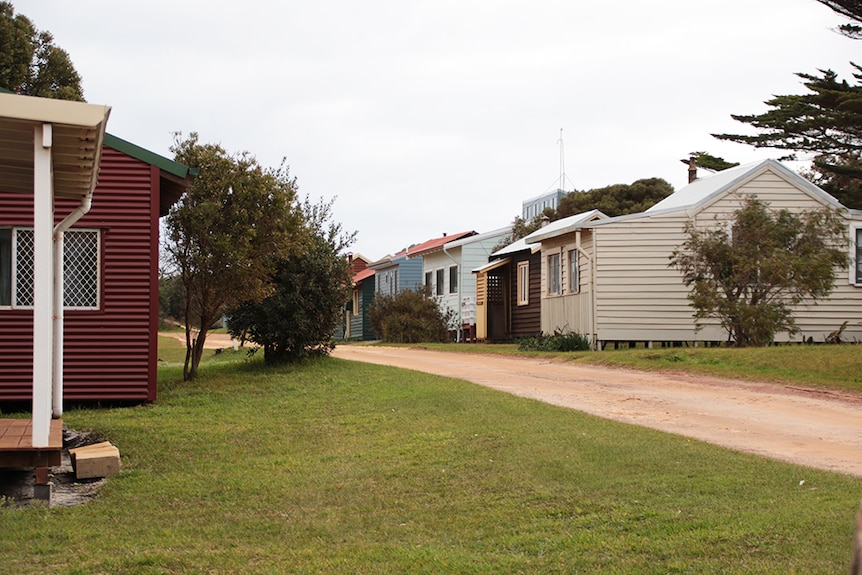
<point>851,275</point>
<point>43,288</point>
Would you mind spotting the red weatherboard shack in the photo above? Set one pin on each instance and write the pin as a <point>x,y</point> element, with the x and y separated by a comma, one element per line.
<point>111,280</point>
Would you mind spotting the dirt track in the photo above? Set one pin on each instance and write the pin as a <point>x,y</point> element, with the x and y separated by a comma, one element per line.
<point>808,427</point>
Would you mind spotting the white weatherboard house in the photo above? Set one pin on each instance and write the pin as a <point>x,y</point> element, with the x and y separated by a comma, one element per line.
<point>447,270</point>
<point>625,289</point>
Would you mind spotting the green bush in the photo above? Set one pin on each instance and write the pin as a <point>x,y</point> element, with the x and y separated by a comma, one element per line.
<point>409,317</point>
<point>559,341</point>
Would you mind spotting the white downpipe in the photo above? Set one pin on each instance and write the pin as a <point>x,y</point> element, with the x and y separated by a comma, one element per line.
<point>43,224</point>
<point>59,316</point>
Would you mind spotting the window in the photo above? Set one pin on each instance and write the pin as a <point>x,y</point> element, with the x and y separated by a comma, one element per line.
<point>80,268</point>
<point>858,254</point>
<point>574,276</point>
<point>440,277</point>
<point>453,279</point>
<point>6,267</point>
<point>356,302</point>
<point>428,279</point>
<point>554,274</point>
<point>523,283</point>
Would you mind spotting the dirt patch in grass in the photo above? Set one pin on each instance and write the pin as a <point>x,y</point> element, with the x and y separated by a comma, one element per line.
<point>16,485</point>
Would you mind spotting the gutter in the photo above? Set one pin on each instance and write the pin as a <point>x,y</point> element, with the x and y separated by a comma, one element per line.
<point>59,250</point>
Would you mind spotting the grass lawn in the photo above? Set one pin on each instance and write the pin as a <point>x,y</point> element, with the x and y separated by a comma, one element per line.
<point>335,467</point>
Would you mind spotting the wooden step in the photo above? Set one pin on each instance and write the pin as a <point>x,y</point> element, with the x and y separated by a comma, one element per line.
<point>97,460</point>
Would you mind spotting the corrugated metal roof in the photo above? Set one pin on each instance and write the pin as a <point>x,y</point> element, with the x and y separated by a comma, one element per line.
<point>517,246</point>
<point>78,130</point>
<point>701,191</point>
<point>563,226</point>
<point>500,232</point>
<point>491,265</point>
<point>363,275</point>
<point>435,244</point>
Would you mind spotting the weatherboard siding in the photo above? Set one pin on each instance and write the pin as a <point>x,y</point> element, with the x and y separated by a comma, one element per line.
<point>110,353</point>
<point>642,298</point>
<point>526,320</point>
<point>639,297</point>
<point>568,312</point>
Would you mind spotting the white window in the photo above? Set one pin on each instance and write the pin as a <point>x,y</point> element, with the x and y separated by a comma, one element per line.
<point>855,254</point>
<point>440,279</point>
<point>428,280</point>
<point>574,276</point>
<point>523,283</point>
<point>80,268</point>
<point>453,279</point>
<point>356,302</point>
<point>554,274</point>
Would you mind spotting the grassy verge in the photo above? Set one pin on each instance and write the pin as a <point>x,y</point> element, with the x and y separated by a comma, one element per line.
<point>335,467</point>
<point>824,366</point>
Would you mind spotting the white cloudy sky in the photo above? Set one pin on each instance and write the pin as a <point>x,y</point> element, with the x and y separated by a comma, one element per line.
<point>424,117</point>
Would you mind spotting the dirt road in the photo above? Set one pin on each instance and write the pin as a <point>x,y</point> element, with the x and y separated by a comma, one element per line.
<point>808,427</point>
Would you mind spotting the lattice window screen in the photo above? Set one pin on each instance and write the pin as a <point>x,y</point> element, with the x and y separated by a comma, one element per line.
<point>24,270</point>
<point>81,269</point>
<point>495,289</point>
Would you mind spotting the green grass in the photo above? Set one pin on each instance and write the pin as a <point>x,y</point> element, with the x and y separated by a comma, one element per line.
<point>823,366</point>
<point>336,467</point>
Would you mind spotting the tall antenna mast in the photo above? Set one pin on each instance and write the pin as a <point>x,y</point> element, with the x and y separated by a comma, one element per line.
<point>562,161</point>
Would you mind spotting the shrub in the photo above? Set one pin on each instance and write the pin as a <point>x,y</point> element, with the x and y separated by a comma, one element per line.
<point>559,341</point>
<point>409,317</point>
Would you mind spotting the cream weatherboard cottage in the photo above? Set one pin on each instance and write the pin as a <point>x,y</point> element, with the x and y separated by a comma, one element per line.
<point>610,279</point>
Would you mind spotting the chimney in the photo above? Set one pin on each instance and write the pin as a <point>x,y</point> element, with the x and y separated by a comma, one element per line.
<point>692,168</point>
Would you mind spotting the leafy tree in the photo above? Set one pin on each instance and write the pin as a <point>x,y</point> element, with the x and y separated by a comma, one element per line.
<point>409,317</point>
<point>617,199</point>
<point>522,228</point>
<point>852,9</point>
<point>711,163</point>
<point>172,298</point>
<point>826,122</point>
<point>311,286</point>
<point>226,234</point>
<point>748,279</point>
<point>30,62</point>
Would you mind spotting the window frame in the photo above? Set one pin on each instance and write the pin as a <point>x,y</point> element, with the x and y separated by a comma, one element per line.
<point>7,249</point>
<point>453,279</point>
<point>574,271</point>
<point>94,282</point>
<point>554,274</point>
<point>855,267</point>
<point>523,283</point>
<point>440,278</point>
<point>355,301</point>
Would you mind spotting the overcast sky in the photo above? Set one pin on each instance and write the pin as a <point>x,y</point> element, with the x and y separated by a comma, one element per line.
<point>425,117</point>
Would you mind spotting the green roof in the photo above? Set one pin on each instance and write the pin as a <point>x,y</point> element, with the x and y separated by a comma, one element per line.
<point>148,157</point>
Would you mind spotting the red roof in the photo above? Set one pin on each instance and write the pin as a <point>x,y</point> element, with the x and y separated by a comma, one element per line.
<point>362,275</point>
<point>435,244</point>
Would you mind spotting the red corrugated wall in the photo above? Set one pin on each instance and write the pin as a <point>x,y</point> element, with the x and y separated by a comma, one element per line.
<point>110,354</point>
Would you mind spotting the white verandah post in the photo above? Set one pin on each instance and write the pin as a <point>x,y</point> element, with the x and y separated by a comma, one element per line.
<point>43,283</point>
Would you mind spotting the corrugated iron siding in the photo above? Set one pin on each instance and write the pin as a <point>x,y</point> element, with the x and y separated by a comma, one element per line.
<point>110,354</point>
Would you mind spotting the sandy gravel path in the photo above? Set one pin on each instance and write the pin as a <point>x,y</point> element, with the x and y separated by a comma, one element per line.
<point>808,427</point>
